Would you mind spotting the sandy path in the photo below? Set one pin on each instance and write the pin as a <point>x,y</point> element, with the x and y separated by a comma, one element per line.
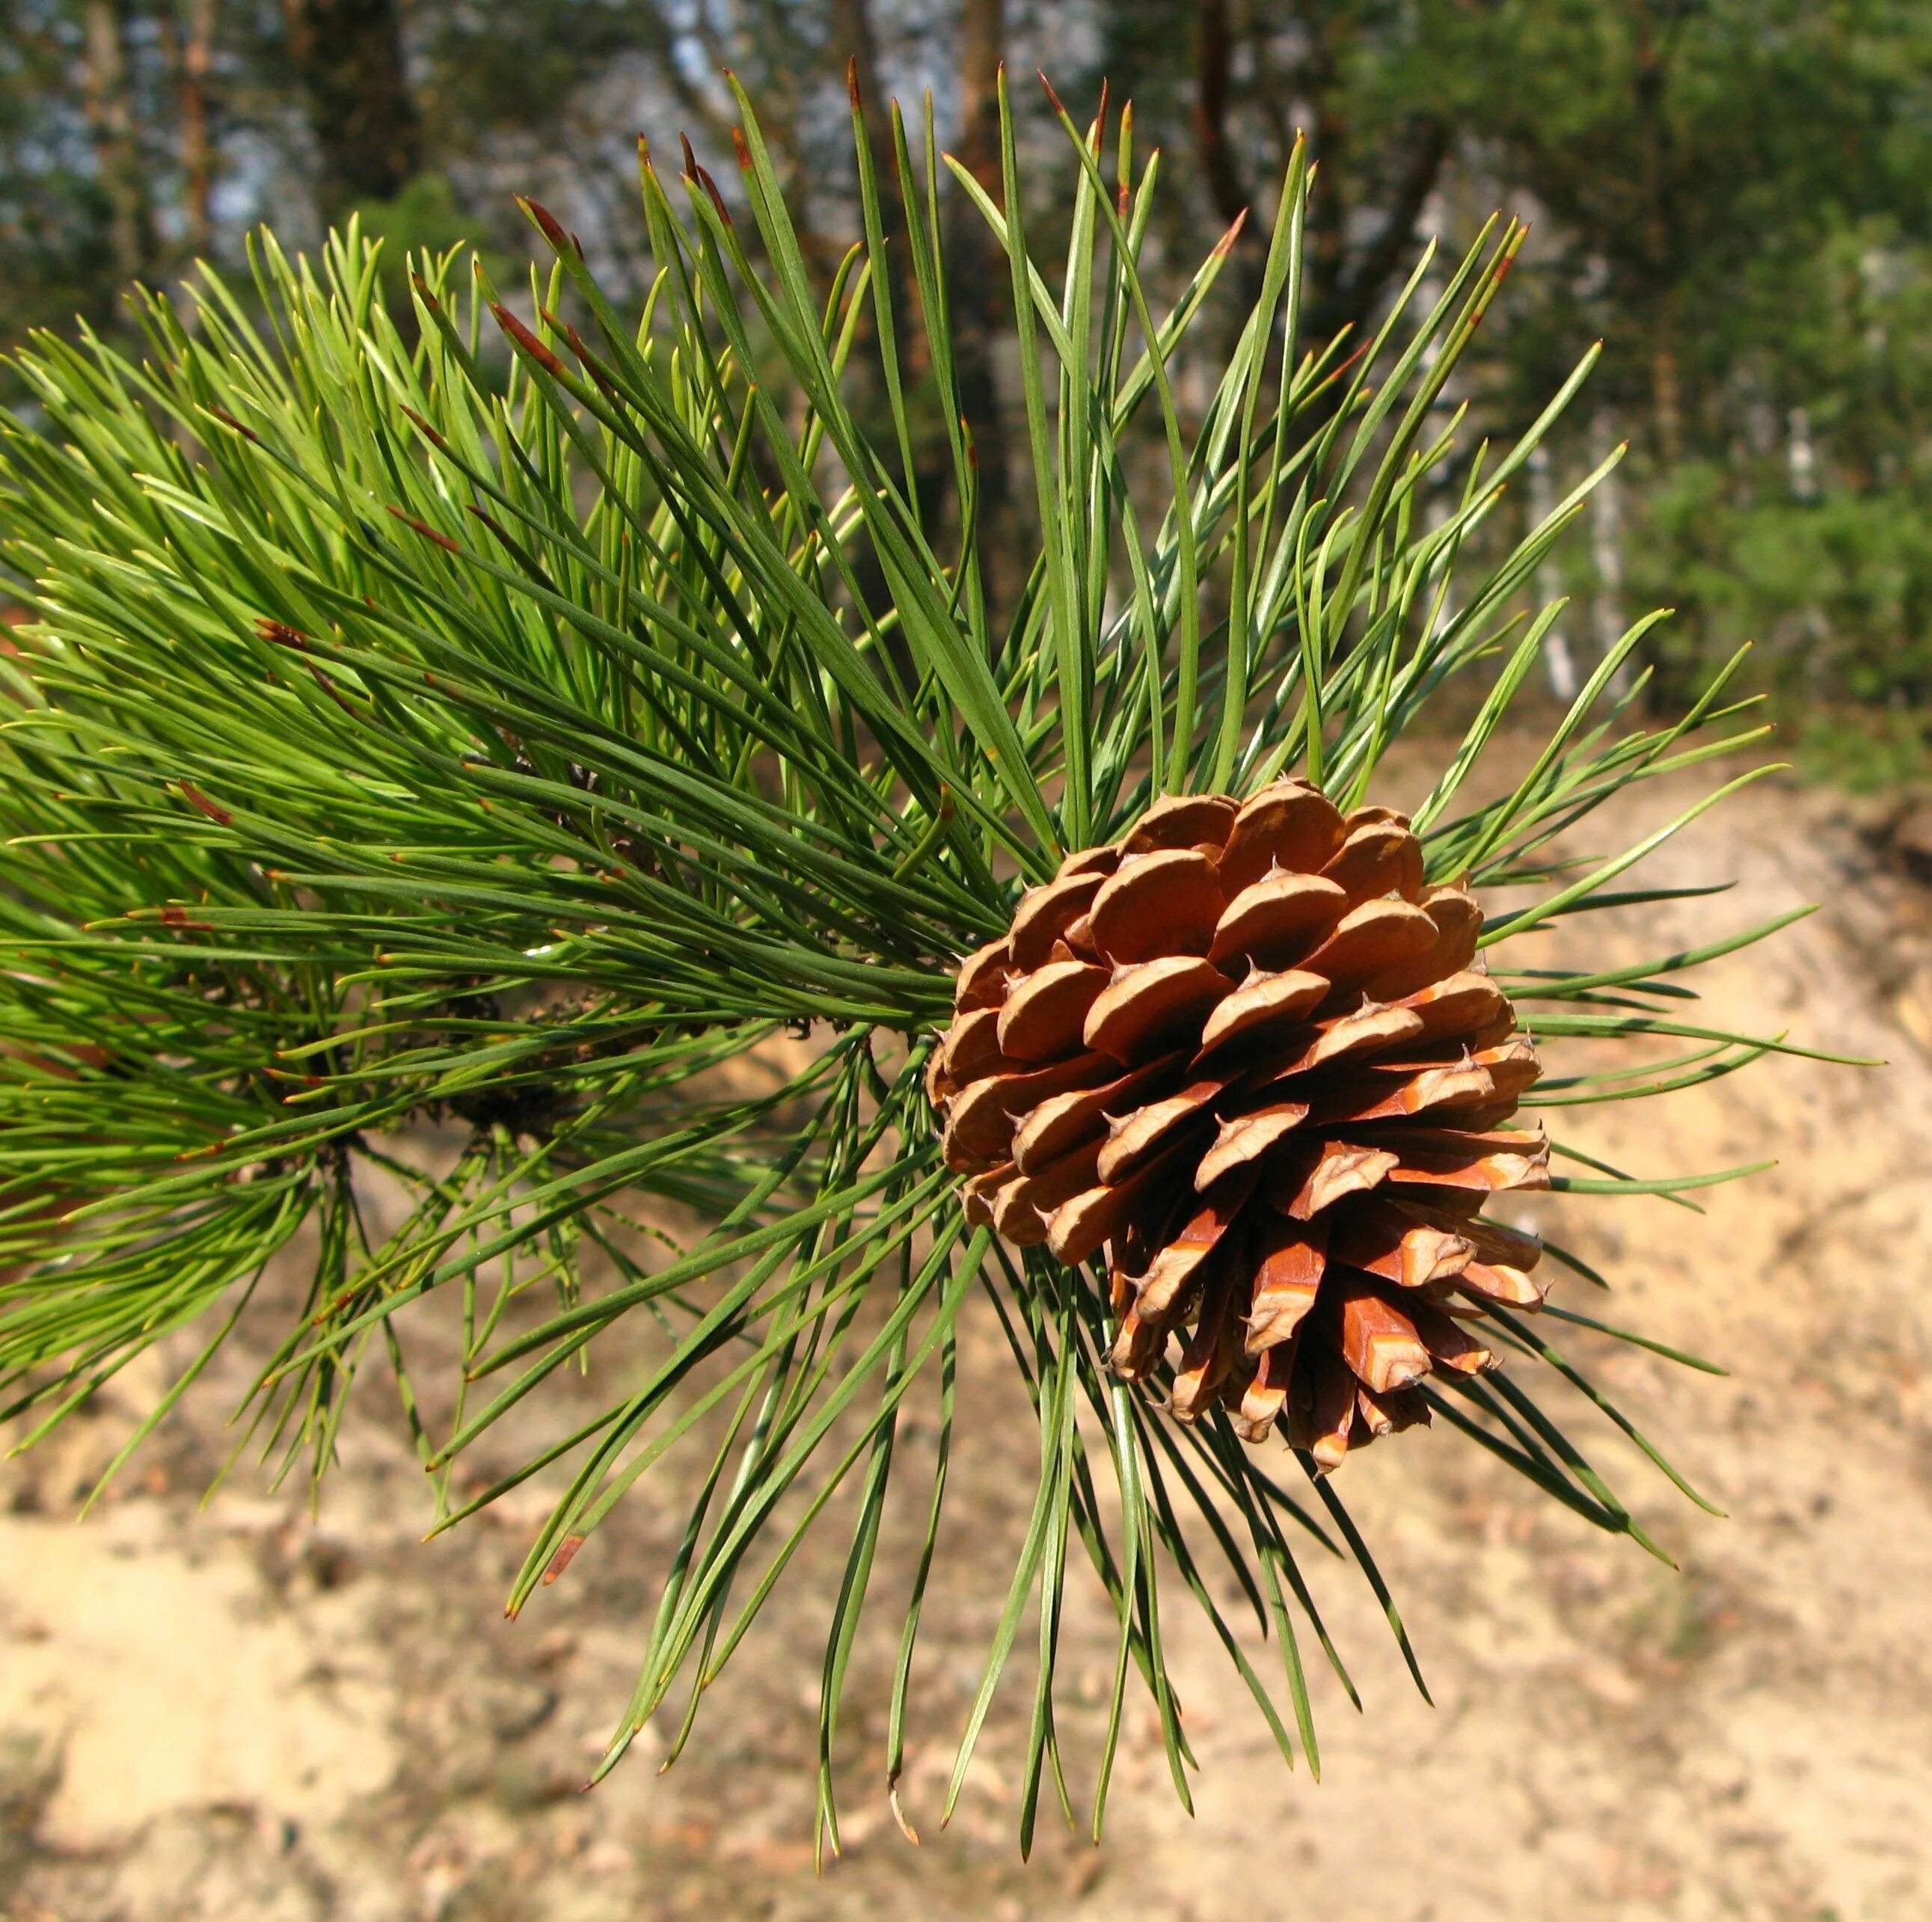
<point>241,1714</point>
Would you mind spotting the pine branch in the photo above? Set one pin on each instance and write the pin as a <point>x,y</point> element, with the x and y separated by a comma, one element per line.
<point>513,722</point>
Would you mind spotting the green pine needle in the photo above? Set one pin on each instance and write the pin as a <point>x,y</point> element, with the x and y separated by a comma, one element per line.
<point>512,713</point>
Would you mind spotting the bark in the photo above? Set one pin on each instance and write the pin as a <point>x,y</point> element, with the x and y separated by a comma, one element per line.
<point>979,282</point>
<point>982,41</point>
<point>858,47</point>
<point>197,139</point>
<point>855,42</point>
<point>1559,661</point>
<point>1210,112</point>
<point>1666,388</point>
<point>348,55</point>
<point>1351,299</point>
<point>1345,286</point>
<point>660,39</point>
<point>1320,79</point>
<point>1230,191</point>
<point>110,112</point>
<point>1647,88</point>
<point>1606,549</point>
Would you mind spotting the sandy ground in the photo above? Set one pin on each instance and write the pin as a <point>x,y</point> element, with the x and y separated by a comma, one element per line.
<point>243,1713</point>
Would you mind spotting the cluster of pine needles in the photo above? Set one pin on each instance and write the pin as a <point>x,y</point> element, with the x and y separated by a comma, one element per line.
<point>505,716</point>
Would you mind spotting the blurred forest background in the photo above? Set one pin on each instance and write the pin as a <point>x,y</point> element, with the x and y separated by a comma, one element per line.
<point>1733,194</point>
<point>250,1714</point>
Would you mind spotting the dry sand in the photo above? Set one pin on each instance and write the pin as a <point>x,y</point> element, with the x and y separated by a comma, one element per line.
<point>240,1713</point>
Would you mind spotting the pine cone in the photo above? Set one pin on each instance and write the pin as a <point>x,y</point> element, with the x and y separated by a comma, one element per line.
<point>1247,1053</point>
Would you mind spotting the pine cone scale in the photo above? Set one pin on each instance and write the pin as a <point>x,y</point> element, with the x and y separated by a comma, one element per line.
<point>1294,1258</point>
<point>1102,1213</point>
<point>1292,827</point>
<point>981,1119</point>
<point>1244,1141</point>
<point>1251,1056</point>
<point>1164,902</point>
<point>1266,1004</point>
<point>1280,916</point>
<point>1153,1003</point>
<point>1062,1122</point>
<point>1043,1016</point>
<point>1045,916</point>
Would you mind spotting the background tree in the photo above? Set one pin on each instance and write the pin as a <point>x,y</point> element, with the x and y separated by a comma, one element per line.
<point>1733,194</point>
<point>347,55</point>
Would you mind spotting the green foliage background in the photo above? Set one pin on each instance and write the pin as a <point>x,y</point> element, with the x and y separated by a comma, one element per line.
<point>1733,193</point>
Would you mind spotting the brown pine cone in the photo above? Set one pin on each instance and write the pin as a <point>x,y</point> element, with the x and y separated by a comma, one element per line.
<point>1249,1054</point>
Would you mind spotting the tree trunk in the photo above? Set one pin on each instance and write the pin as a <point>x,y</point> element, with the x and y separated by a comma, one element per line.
<point>110,111</point>
<point>1214,55</point>
<point>348,55</point>
<point>853,39</point>
<point>1647,88</point>
<point>982,42</point>
<point>1320,79</point>
<point>197,139</point>
<point>1353,298</point>
<point>979,285</point>
<point>1667,389</point>
<point>1606,547</point>
<point>1559,663</point>
<point>1231,193</point>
